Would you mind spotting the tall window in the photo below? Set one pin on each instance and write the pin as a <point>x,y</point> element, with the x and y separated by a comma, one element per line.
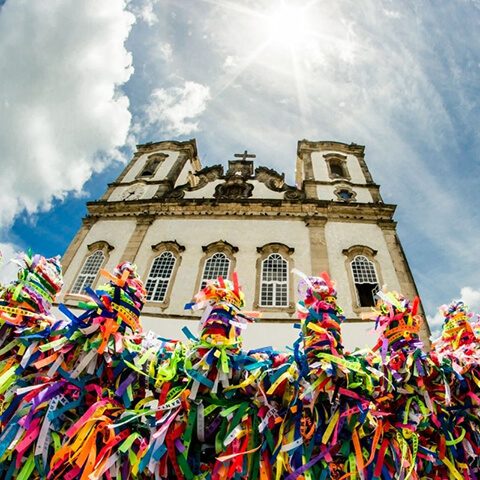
<point>337,169</point>
<point>217,265</point>
<point>274,283</point>
<point>152,164</point>
<point>365,279</point>
<point>89,272</point>
<point>159,276</point>
<point>337,166</point>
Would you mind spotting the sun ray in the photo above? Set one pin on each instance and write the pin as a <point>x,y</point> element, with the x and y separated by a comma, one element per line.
<point>300,88</point>
<point>233,6</point>
<point>247,62</point>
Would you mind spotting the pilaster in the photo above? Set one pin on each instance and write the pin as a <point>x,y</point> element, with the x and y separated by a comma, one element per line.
<point>402,269</point>
<point>136,239</point>
<point>318,244</point>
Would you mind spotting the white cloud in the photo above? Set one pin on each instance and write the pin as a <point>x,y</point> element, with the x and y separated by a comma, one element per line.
<point>8,269</point>
<point>230,62</point>
<point>165,51</point>
<point>144,10</point>
<point>173,109</point>
<point>392,13</point>
<point>62,117</point>
<point>469,296</point>
<point>435,323</point>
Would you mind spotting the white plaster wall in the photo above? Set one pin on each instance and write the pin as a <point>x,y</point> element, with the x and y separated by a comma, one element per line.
<point>320,169</point>
<point>260,190</point>
<point>116,232</point>
<point>327,192</point>
<point>343,235</point>
<point>183,177</point>
<point>162,170</point>
<point>246,234</point>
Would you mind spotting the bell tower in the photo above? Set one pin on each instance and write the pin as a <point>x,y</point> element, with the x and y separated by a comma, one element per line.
<point>335,171</point>
<point>156,169</point>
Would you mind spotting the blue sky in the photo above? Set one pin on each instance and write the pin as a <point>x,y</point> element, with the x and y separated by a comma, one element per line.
<point>87,80</point>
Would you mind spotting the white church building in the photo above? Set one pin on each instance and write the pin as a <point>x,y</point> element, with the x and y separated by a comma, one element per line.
<point>183,224</point>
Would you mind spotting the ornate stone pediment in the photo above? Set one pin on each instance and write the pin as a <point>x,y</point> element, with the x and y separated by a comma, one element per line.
<point>240,168</point>
<point>271,178</point>
<point>208,174</point>
<point>234,188</point>
<point>235,185</point>
<point>204,176</point>
<point>276,182</point>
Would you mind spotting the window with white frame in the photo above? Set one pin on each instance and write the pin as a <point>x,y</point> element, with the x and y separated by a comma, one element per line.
<point>274,281</point>
<point>215,266</point>
<point>365,279</point>
<point>159,277</point>
<point>89,272</point>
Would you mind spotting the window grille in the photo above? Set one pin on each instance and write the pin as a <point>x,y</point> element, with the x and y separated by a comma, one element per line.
<point>365,279</point>
<point>274,285</point>
<point>159,277</point>
<point>215,266</point>
<point>89,272</point>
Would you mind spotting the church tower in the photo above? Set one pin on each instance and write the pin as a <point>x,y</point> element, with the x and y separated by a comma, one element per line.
<point>184,224</point>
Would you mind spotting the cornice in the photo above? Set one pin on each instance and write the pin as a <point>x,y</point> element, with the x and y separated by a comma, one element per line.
<point>218,246</point>
<point>168,145</point>
<point>333,211</point>
<point>337,181</point>
<point>172,244</point>
<point>310,146</point>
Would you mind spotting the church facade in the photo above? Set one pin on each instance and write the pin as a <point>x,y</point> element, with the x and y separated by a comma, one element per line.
<point>183,224</point>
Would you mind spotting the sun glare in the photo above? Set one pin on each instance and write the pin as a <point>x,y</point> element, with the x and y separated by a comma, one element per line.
<point>287,24</point>
<point>282,35</point>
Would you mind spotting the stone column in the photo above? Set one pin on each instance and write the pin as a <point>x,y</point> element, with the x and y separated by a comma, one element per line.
<point>318,244</point>
<point>309,182</point>
<point>402,269</point>
<point>133,245</point>
<point>67,257</point>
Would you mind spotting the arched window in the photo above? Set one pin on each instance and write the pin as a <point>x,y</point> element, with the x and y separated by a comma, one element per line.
<point>337,166</point>
<point>216,265</point>
<point>336,169</point>
<point>274,283</point>
<point>365,280</point>
<point>159,277</point>
<point>89,272</point>
<point>152,164</point>
<point>165,261</point>
<point>274,288</point>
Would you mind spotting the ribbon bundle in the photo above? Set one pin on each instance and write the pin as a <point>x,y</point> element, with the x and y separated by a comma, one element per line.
<point>90,396</point>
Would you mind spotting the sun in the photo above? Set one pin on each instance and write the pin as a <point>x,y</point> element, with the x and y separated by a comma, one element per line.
<point>287,24</point>
<point>281,36</point>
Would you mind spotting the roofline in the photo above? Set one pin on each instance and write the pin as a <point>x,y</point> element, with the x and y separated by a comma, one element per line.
<point>192,143</point>
<point>352,148</point>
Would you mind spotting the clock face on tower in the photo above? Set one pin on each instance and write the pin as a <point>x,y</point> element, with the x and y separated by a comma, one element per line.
<point>133,192</point>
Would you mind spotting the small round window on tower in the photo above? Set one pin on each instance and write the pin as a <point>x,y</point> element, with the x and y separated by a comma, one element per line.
<point>345,195</point>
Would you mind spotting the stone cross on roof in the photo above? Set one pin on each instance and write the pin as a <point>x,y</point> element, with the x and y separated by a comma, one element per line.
<point>242,167</point>
<point>244,155</point>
